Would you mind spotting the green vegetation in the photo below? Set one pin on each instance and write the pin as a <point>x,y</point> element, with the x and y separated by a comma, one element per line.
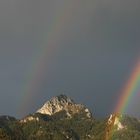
<point>59,127</point>
<point>131,132</point>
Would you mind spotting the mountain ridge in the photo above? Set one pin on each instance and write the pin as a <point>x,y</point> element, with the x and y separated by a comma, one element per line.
<point>65,103</point>
<point>61,118</point>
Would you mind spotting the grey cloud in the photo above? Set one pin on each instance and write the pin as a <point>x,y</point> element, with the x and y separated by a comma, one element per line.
<point>95,44</point>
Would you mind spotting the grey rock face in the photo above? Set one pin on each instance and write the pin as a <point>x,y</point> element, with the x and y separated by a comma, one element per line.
<point>63,103</point>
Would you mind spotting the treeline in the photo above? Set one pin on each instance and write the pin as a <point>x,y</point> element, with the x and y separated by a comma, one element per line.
<point>58,127</point>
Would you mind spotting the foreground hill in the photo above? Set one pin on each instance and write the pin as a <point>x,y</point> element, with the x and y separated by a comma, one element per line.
<point>62,119</point>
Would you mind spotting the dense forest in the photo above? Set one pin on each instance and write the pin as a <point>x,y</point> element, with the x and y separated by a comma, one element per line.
<point>57,127</point>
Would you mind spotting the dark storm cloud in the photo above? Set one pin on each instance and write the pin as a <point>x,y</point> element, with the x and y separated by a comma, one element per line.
<point>98,42</point>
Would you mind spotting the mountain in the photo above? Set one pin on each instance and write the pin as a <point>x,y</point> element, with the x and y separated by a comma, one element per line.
<point>63,103</point>
<point>61,118</point>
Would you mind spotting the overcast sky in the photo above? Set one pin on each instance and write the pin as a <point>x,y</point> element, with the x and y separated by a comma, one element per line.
<point>90,49</point>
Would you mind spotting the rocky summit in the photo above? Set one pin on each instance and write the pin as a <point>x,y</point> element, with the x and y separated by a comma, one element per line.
<point>63,103</point>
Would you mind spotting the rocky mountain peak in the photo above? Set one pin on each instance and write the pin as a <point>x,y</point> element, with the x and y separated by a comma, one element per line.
<point>63,103</point>
<point>61,99</point>
<point>113,124</point>
<point>115,120</point>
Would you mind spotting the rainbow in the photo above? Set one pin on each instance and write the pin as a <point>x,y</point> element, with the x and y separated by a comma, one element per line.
<point>130,89</point>
<point>42,58</point>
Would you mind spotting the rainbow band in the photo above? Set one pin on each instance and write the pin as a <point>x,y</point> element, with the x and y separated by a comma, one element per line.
<point>47,50</point>
<point>129,90</point>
